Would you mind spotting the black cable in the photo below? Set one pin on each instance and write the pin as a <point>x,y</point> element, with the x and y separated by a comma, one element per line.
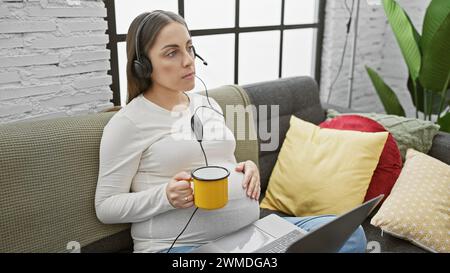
<point>182,230</point>
<point>349,22</point>
<point>350,13</point>
<point>207,97</point>
<point>203,106</point>
<point>204,154</point>
<point>347,8</point>
<point>206,160</point>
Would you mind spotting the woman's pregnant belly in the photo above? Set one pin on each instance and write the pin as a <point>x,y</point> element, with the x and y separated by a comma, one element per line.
<point>206,225</point>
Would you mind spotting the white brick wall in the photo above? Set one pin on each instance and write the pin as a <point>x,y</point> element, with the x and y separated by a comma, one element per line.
<point>53,59</point>
<point>376,47</point>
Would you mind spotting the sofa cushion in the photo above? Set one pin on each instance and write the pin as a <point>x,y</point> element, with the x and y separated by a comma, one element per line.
<point>49,172</point>
<point>418,207</point>
<point>322,171</point>
<point>390,163</point>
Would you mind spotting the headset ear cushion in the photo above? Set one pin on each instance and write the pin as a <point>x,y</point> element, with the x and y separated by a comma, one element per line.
<point>143,68</point>
<point>148,67</point>
<point>138,68</point>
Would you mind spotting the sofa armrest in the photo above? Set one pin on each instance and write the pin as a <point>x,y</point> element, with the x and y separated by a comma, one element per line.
<point>441,147</point>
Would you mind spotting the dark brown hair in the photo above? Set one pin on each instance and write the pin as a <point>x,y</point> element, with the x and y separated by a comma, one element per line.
<point>147,37</point>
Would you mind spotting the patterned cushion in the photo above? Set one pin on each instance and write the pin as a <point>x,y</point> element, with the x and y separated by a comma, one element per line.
<point>408,132</point>
<point>418,207</point>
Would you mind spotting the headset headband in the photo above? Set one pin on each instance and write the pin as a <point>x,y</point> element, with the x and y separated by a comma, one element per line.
<point>138,33</point>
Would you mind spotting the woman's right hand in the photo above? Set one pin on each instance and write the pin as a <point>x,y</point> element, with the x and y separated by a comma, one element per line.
<point>179,191</point>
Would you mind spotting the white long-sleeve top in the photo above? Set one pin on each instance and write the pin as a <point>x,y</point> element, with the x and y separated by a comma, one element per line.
<point>143,146</point>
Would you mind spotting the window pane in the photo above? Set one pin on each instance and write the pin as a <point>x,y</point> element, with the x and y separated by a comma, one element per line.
<point>203,14</point>
<point>218,52</point>
<point>300,12</point>
<point>298,53</point>
<point>127,10</point>
<point>259,13</point>
<point>258,56</point>
<point>122,54</point>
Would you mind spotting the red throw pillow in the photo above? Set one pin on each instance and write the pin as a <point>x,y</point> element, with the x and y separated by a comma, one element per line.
<point>390,163</point>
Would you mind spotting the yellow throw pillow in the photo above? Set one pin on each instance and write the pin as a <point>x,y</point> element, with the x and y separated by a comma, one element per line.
<point>418,208</point>
<point>322,171</point>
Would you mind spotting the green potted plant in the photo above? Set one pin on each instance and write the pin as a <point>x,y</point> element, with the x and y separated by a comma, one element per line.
<point>427,57</point>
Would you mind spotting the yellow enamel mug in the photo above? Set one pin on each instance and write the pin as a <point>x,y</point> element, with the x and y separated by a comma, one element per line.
<point>210,187</point>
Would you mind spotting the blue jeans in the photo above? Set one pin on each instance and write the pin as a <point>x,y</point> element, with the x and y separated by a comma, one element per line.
<point>355,244</point>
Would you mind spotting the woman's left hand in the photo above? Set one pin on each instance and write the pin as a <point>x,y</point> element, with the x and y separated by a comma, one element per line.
<point>251,180</point>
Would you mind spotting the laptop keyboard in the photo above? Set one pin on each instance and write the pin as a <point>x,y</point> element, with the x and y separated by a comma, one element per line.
<point>281,244</point>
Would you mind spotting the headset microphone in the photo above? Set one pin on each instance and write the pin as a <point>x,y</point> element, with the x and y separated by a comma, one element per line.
<point>198,56</point>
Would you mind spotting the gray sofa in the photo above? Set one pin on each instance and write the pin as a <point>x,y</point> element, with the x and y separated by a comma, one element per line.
<point>49,171</point>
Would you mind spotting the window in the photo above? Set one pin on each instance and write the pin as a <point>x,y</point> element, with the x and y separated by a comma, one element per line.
<point>243,41</point>
<point>258,52</point>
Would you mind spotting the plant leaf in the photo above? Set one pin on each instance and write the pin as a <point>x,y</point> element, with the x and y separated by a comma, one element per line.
<point>387,96</point>
<point>420,97</point>
<point>416,34</point>
<point>436,13</point>
<point>444,122</point>
<point>436,59</point>
<point>406,36</point>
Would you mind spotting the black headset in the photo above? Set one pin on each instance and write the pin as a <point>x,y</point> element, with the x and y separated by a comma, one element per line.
<point>142,65</point>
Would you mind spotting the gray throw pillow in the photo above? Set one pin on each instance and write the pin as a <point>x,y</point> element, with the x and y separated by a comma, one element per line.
<point>407,132</point>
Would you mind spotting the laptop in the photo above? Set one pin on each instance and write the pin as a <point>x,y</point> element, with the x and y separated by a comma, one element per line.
<point>273,234</point>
